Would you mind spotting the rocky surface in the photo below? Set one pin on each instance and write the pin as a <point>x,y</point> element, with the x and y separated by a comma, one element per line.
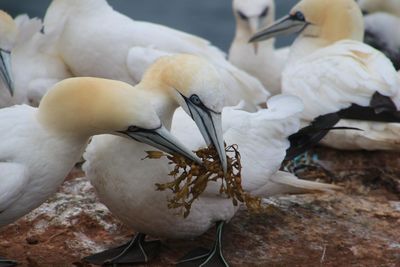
<point>359,226</point>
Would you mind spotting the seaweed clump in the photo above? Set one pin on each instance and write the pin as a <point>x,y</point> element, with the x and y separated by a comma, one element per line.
<point>190,179</point>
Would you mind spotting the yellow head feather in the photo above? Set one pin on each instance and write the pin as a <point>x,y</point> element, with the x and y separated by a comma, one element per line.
<point>332,20</point>
<point>87,106</point>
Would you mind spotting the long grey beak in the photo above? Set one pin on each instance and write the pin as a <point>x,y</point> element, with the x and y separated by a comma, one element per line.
<point>6,71</point>
<point>285,25</point>
<point>162,139</point>
<point>210,126</point>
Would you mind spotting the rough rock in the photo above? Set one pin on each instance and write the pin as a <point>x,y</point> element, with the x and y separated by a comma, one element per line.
<point>359,226</point>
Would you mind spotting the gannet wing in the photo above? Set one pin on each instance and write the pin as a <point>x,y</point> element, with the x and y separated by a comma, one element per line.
<point>335,77</point>
<point>262,137</point>
<point>13,179</point>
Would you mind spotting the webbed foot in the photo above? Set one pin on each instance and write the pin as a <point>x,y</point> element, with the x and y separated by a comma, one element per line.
<point>135,251</point>
<point>202,257</point>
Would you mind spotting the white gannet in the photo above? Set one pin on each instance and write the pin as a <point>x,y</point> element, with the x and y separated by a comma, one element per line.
<point>389,6</point>
<point>39,146</point>
<point>90,50</point>
<point>34,68</point>
<point>132,196</point>
<point>8,35</point>
<point>334,72</point>
<point>261,60</point>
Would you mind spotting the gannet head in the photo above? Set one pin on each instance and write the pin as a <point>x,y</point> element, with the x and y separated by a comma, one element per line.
<point>8,35</point>
<point>325,19</point>
<point>83,107</point>
<point>194,84</point>
<point>253,15</point>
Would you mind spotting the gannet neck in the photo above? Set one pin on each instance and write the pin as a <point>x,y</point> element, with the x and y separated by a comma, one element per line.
<point>8,31</point>
<point>82,107</point>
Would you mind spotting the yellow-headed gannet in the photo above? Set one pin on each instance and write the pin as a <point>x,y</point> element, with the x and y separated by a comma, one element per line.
<point>39,146</point>
<point>261,60</point>
<point>131,195</point>
<point>333,72</point>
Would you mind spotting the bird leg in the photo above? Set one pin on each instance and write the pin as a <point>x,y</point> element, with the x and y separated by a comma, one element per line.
<point>206,258</point>
<point>7,263</point>
<point>135,251</point>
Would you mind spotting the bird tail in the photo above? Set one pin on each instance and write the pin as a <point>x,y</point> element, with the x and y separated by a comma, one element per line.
<point>286,183</point>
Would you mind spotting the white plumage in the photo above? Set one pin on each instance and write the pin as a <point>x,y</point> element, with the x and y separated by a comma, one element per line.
<point>106,51</point>
<point>33,164</point>
<point>126,184</point>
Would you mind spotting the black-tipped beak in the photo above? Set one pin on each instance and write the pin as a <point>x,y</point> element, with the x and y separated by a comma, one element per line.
<point>162,139</point>
<point>210,126</point>
<point>286,25</point>
<point>6,71</point>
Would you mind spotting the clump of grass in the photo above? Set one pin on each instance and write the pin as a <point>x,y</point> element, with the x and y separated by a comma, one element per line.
<point>190,179</point>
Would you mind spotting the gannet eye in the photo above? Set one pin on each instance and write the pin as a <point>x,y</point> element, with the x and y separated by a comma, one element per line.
<point>132,128</point>
<point>195,99</point>
<point>299,16</point>
<point>242,16</point>
<point>264,13</point>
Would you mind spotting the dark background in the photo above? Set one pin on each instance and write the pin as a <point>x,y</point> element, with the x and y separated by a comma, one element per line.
<point>211,19</point>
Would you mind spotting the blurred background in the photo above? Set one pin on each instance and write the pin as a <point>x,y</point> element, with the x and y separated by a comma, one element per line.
<point>211,19</point>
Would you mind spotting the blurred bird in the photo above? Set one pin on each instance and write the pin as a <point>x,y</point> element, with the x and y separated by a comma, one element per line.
<point>8,34</point>
<point>261,60</point>
<point>262,139</point>
<point>106,51</point>
<point>388,6</point>
<point>335,73</point>
<point>34,69</point>
<point>379,29</point>
<point>39,146</point>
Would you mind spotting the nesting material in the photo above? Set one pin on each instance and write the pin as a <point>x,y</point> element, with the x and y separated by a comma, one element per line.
<point>191,179</point>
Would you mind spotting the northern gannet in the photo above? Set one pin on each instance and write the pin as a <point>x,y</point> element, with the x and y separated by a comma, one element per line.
<point>334,72</point>
<point>8,35</point>
<point>33,66</point>
<point>132,196</point>
<point>39,146</point>
<point>261,60</point>
<point>90,50</point>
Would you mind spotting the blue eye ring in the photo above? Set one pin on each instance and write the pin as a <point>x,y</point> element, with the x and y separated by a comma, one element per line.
<point>195,99</point>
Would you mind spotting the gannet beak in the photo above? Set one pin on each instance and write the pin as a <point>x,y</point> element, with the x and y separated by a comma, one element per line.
<point>6,71</point>
<point>162,139</point>
<point>286,25</point>
<point>210,125</point>
<point>254,24</point>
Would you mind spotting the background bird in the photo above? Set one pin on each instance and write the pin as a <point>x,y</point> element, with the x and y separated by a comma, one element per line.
<point>262,60</point>
<point>334,72</point>
<point>89,50</point>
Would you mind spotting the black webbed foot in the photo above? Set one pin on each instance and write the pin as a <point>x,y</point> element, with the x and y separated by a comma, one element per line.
<point>135,251</point>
